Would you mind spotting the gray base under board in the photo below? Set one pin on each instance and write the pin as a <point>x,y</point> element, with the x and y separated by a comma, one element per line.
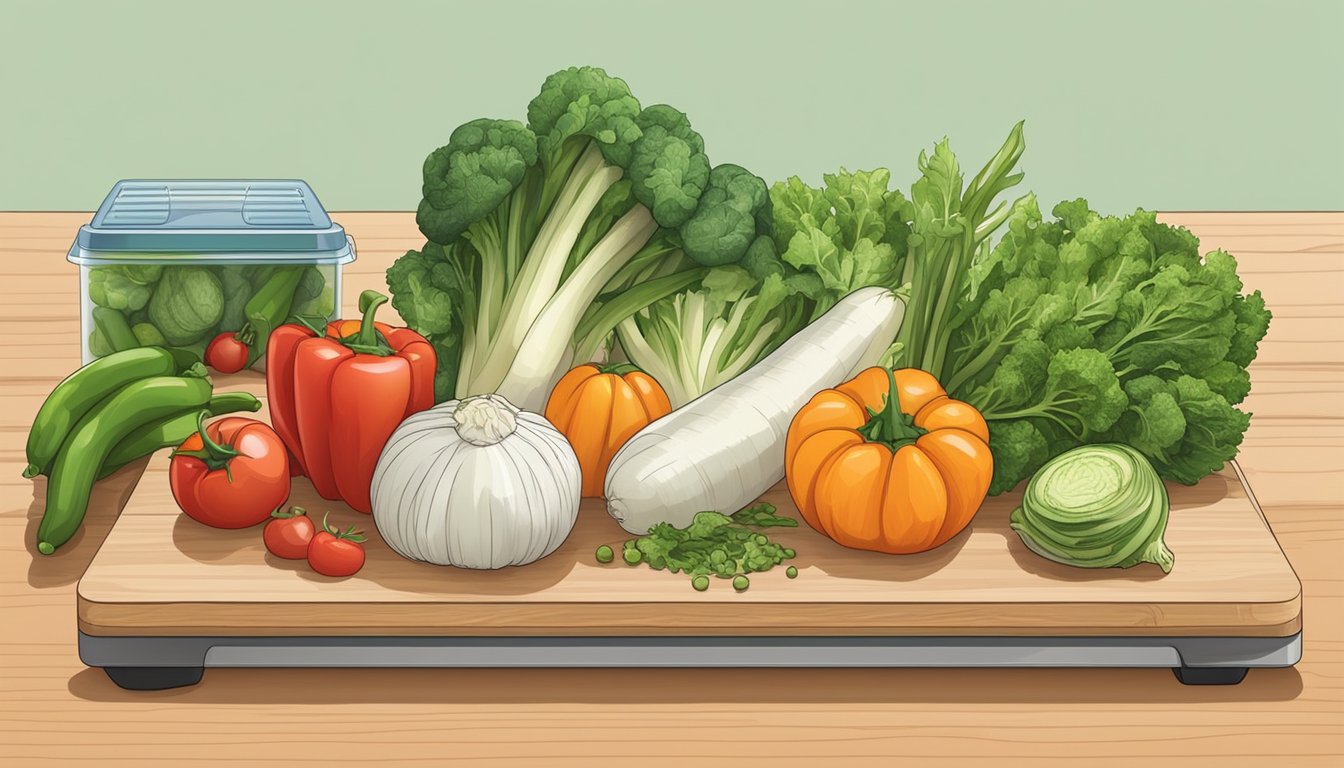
<point>168,662</point>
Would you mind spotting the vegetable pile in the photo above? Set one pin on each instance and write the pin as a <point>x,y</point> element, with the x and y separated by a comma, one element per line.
<point>692,336</point>
<point>109,413</point>
<point>1076,330</point>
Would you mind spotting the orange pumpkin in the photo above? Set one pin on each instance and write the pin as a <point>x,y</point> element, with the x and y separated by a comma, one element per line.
<point>598,408</point>
<point>888,462</point>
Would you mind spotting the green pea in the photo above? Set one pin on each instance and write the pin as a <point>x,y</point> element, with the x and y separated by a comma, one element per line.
<point>604,554</point>
<point>632,556</point>
<point>740,583</point>
<point>791,572</point>
<point>700,583</point>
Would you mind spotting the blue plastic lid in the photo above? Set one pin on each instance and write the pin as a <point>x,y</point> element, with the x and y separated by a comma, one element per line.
<point>234,217</point>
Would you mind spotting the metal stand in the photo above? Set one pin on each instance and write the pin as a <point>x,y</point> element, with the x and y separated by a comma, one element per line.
<point>152,663</point>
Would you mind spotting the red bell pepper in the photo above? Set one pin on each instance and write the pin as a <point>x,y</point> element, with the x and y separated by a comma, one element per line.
<point>280,347</point>
<point>336,399</point>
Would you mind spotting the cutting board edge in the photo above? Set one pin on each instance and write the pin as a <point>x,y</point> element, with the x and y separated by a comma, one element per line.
<point>1265,619</point>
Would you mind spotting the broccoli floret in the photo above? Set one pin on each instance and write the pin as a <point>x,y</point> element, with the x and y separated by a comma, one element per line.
<point>726,222</point>
<point>111,286</point>
<point>467,179</point>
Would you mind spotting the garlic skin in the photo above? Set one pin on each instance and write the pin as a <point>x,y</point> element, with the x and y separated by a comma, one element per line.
<point>476,483</point>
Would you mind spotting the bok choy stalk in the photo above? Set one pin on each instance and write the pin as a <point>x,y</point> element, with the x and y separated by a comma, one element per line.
<point>827,243</point>
<point>698,339</point>
<point>529,225</point>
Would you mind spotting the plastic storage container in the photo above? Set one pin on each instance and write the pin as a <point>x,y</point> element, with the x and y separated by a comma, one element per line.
<point>175,263</point>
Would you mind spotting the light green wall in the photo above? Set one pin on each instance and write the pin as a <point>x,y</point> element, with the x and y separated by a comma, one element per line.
<point>1169,105</point>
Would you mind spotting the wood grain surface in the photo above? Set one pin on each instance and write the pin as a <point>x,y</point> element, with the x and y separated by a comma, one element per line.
<point>161,573</point>
<point>54,710</point>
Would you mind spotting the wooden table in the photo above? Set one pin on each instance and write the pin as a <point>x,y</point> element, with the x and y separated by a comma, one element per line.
<point>54,709</point>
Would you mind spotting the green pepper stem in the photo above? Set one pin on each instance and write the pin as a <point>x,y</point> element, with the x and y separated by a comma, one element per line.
<point>369,302</point>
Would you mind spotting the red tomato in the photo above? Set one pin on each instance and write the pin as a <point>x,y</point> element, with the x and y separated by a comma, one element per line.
<point>334,552</point>
<point>226,354</point>
<point>231,473</point>
<point>288,533</point>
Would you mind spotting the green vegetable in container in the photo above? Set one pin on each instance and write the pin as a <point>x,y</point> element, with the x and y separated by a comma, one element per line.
<point>112,287</point>
<point>237,290</point>
<point>321,305</point>
<point>148,335</point>
<point>115,331</point>
<point>99,346</point>
<point>187,304</point>
<point>145,274</point>
<point>1097,506</point>
<point>311,284</point>
<point>268,308</point>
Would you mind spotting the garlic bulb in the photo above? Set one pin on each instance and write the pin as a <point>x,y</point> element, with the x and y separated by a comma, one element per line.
<point>476,483</point>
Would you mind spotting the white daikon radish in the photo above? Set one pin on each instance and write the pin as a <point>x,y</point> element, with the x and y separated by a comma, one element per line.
<point>725,448</point>
<point>476,483</point>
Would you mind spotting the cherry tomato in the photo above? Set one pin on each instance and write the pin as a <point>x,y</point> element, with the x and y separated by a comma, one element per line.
<point>231,474</point>
<point>333,552</point>
<point>288,533</point>
<point>225,353</point>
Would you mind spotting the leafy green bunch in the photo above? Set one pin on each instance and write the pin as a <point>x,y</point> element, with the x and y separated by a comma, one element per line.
<point>1090,328</point>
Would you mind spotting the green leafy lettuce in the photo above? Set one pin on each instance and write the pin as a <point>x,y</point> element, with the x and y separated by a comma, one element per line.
<point>1092,328</point>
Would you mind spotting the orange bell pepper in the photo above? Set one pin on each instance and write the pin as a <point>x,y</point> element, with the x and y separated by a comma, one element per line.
<point>335,399</point>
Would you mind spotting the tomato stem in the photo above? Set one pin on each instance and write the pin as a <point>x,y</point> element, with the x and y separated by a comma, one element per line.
<point>280,513</point>
<point>891,426</point>
<point>214,455</point>
<point>349,533</point>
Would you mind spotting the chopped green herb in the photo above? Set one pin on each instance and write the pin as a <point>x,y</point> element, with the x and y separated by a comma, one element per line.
<point>763,516</point>
<point>724,546</point>
<point>740,583</point>
<point>791,572</point>
<point>604,554</point>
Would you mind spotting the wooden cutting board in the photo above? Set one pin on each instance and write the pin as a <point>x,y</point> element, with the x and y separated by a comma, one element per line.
<point>159,573</point>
